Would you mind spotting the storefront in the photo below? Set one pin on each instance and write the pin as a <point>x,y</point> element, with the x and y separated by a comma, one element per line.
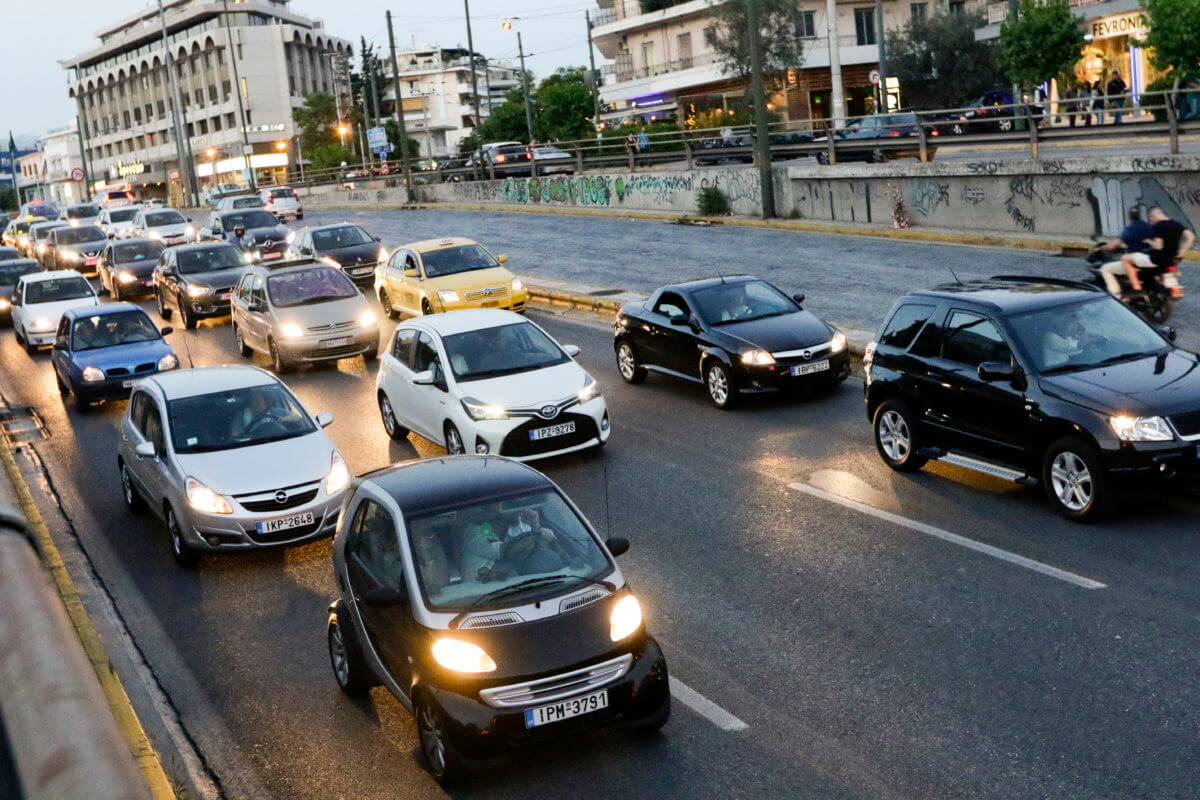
<point>269,168</point>
<point>1111,47</point>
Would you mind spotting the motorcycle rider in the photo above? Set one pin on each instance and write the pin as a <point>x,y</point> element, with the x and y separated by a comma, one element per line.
<point>1133,239</point>
<point>1169,242</point>
<point>239,239</point>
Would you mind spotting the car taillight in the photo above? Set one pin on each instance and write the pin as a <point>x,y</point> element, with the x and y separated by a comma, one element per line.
<point>893,133</point>
<point>1171,268</point>
<point>500,159</point>
<point>933,132</point>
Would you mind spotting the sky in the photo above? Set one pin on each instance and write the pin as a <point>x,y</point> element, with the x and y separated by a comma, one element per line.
<point>33,94</point>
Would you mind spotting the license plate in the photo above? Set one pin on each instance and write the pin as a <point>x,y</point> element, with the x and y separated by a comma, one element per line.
<point>269,256</point>
<point>491,303</point>
<point>556,712</point>
<point>1170,281</point>
<point>284,523</point>
<point>91,262</point>
<point>552,431</point>
<point>343,342</point>
<point>127,384</point>
<point>809,369</point>
<point>224,295</point>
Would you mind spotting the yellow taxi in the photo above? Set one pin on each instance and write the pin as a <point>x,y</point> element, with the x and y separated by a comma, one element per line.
<point>446,275</point>
<point>17,233</point>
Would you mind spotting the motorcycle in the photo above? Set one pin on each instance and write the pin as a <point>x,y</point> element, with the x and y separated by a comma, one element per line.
<point>1161,288</point>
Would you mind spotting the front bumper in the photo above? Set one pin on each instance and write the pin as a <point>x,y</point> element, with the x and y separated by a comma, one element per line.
<point>481,732</point>
<point>220,533</point>
<point>1134,465</point>
<point>40,338</point>
<point>511,437</point>
<point>209,305</point>
<point>109,388</point>
<point>513,301</point>
<point>363,274</point>
<point>330,346</point>
<point>142,284</point>
<point>779,376</point>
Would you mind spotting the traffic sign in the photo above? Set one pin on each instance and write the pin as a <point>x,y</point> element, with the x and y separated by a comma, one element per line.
<point>873,76</point>
<point>76,174</point>
<point>376,137</point>
<point>384,149</point>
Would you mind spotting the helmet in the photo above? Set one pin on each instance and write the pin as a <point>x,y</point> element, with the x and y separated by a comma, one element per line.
<point>239,229</point>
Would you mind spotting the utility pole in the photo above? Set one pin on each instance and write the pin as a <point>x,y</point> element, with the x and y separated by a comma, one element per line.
<point>400,112</point>
<point>762,138</point>
<point>1014,9</point>
<point>525,86</point>
<point>471,57</point>
<point>835,67</point>
<point>87,189</point>
<point>237,90</point>
<point>181,148</point>
<point>366,96</point>
<point>592,61</point>
<point>883,92</point>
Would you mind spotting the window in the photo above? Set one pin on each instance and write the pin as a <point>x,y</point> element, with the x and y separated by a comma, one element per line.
<point>648,57</point>
<point>710,36</point>
<point>683,47</point>
<point>426,356</point>
<point>958,7</point>
<point>808,24</point>
<point>402,348</point>
<point>374,543</point>
<point>902,328</point>
<point>971,340</point>
<point>670,304</point>
<point>137,411</point>
<point>154,428</point>
<point>864,25</point>
<point>918,11</point>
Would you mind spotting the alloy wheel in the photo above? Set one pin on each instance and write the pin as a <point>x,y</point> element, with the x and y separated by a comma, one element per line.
<point>176,535</point>
<point>388,415</point>
<point>127,486</point>
<point>454,442</point>
<point>718,385</point>
<point>338,658</point>
<point>625,362</point>
<point>1071,480</point>
<point>429,730</point>
<point>894,436</point>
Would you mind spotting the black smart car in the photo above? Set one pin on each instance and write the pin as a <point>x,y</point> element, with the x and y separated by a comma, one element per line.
<point>198,279</point>
<point>348,247</point>
<point>737,334</point>
<point>479,596</point>
<point>1035,380</point>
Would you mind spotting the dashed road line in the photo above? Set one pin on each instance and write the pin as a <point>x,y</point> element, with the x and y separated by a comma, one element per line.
<point>705,707</point>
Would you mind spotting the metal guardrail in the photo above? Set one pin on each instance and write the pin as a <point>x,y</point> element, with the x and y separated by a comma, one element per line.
<point>1155,114</point>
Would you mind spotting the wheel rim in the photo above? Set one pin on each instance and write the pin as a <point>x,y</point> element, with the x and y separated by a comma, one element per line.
<point>454,444</point>
<point>625,361</point>
<point>894,436</point>
<point>718,385</point>
<point>176,536</point>
<point>275,359</point>
<point>431,740</point>
<point>241,343</point>
<point>126,486</point>
<point>877,156</point>
<point>1071,480</point>
<point>389,417</point>
<point>161,305</point>
<point>338,657</point>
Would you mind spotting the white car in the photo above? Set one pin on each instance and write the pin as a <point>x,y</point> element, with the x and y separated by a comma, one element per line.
<point>164,225</point>
<point>39,300</point>
<point>488,381</point>
<point>117,223</point>
<point>282,202</point>
<point>80,215</point>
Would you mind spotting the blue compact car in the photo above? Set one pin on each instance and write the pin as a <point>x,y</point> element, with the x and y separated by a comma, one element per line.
<point>100,352</point>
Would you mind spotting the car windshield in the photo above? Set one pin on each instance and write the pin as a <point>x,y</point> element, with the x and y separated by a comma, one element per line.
<point>82,212</point>
<point>209,259</point>
<point>245,202</point>
<point>43,210</point>
<point>506,350</point>
<point>1085,335</point>
<point>478,549</point>
<point>80,235</point>
<point>164,218</point>
<point>236,418</point>
<point>122,214</point>
<point>137,251</point>
<point>21,226</point>
<point>249,219</point>
<point>741,301</point>
<point>345,236</point>
<point>450,260</point>
<point>111,330</point>
<point>52,290</point>
<point>10,273</point>
<point>309,286</point>
<point>9,253</point>
<point>40,233</point>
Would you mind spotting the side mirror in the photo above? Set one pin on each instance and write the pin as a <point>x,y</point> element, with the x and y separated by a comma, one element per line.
<point>423,378</point>
<point>383,596</point>
<point>376,238</point>
<point>799,298</point>
<point>1168,333</point>
<point>992,371</point>
<point>257,306</point>
<point>60,344</point>
<point>502,259</point>
<point>167,331</point>
<point>145,450</point>
<point>324,419</point>
<point>411,272</point>
<point>679,319</point>
<point>617,545</point>
<point>571,349</point>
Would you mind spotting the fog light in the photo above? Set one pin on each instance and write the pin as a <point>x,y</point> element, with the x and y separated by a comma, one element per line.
<point>604,422</point>
<point>213,541</point>
<point>482,448</point>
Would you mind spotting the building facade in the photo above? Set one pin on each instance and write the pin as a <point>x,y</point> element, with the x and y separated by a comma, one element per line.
<point>124,97</point>
<point>61,155</point>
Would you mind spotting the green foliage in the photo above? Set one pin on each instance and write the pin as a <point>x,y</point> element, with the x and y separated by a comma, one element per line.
<point>782,37</point>
<point>325,156</point>
<point>1174,36</point>
<point>393,135</point>
<point>1044,39</point>
<point>506,123</point>
<point>561,107</point>
<point>318,121</point>
<point>8,198</point>
<point>1163,84</point>
<point>939,62</point>
<point>712,202</point>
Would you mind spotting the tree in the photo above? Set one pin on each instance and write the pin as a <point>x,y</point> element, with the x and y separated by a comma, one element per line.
<point>318,121</point>
<point>327,156</point>
<point>1174,37</point>
<point>393,135</point>
<point>506,123</point>
<point>564,106</point>
<point>939,62</point>
<point>1041,41</point>
<point>782,38</point>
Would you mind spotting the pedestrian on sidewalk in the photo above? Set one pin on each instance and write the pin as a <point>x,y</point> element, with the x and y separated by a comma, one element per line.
<point>1116,91</point>
<point>1098,101</point>
<point>631,144</point>
<point>1070,104</point>
<point>643,141</point>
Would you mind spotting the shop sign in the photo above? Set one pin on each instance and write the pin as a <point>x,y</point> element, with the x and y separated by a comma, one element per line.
<point>123,170</point>
<point>1132,24</point>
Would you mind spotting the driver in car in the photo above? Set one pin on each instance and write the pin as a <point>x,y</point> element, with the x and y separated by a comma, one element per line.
<point>1065,339</point>
<point>258,409</point>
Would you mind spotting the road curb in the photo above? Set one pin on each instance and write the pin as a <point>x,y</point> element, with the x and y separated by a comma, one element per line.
<point>119,704</point>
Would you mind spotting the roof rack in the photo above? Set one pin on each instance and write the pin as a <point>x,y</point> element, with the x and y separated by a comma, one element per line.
<point>1042,279</point>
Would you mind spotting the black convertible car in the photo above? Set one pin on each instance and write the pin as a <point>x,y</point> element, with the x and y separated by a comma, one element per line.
<point>734,335</point>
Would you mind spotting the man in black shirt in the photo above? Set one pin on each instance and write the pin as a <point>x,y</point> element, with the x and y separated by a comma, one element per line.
<point>1169,242</point>
<point>1115,89</point>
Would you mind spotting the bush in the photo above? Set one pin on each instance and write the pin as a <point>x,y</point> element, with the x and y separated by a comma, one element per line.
<point>1163,84</point>
<point>712,202</point>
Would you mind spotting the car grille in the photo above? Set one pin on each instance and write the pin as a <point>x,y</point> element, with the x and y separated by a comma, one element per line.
<point>556,687</point>
<point>490,293</point>
<point>359,270</point>
<point>1187,424</point>
<point>491,621</point>
<point>559,407</point>
<point>122,372</point>
<point>518,443</point>
<point>333,326</point>
<point>581,600</point>
<point>814,351</point>
<point>267,506</point>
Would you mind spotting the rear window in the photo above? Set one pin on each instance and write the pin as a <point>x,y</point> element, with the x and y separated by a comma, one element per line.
<point>122,214</point>
<point>137,251</point>
<point>902,328</point>
<point>88,233</point>
<point>164,218</point>
<point>82,212</point>
<point>282,193</point>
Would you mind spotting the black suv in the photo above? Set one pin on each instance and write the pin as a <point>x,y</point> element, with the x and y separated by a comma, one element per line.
<point>1035,380</point>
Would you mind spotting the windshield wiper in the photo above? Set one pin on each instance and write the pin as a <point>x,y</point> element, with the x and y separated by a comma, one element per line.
<point>1095,365</point>
<point>312,301</point>
<point>1122,357</point>
<point>521,586</point>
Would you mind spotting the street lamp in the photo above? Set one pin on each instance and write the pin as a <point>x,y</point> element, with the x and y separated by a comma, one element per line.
<point>508,26</point>
<point>212,155</point>
<point>342,131</point>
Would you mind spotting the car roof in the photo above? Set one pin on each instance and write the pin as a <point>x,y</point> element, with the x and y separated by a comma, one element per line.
<point>704,283</point>
<point>1015,294</point>
<point>103,310</point>
<point>425,245</point>
<point>196,247</point>
<point>9,262</point>
<point>291,264</point>
<point>433,483</point>
<point>332,225</point>
<point>468,319</point>
<point>206,380</point>
<point>50,223</point>
<point>228,211</point>
<point>37,277</point>
<point>141,240</point>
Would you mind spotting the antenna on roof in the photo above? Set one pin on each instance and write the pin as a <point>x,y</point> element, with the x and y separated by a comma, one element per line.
<point>720,274</point>
<point>956,280</point>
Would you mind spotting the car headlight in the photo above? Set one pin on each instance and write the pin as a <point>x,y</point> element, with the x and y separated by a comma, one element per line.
<point>478,410</point>
<point>460,656</point>
<point>367,319</point>
<point>291,237</point>
<point>291,330</point>
<point>189,231</point>
<point>626,618</point>
<point>156,236</point>
<point>41,248</point>
<point>448,296</point>
<point>169,361</point>
<point>339,475</point>
<point>1140,429</point>
<point>5,304</point>
<point>92,374</point>
<point>589,391</point>
<point>195,290</point>
<point>24,240</point>
<point>125,276</point>
<point>383,254</point>
<point>517,285</point>
<point>71,255</point>
<point>838,343</point>
<point>757,358</point>
<point>202,498</point>
<point>42,324</point>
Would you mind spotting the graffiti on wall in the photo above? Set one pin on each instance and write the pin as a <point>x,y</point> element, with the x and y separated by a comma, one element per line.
<point>928,195</point>
<point>1111,198</point>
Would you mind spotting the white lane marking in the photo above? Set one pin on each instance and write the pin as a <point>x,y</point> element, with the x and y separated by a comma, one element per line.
<point>953,538</point>
<point>705,707</point>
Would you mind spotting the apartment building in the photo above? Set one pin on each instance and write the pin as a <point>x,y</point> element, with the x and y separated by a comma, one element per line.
<point>124,98</point>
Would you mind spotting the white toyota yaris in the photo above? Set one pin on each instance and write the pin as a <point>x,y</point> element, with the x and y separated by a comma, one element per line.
<point>488,381</point>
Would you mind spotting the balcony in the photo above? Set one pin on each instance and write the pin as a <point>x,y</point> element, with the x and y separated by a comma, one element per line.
<point>625,71</point>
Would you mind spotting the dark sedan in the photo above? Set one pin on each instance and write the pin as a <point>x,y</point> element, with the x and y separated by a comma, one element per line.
<point>127,267</point>
<point>877,138</point>
<point>266,237</point>
<point>78,248</point>
<point>198,279</point>
<point>734,335</point>
<point>348,247</point>
<point>11,270</point>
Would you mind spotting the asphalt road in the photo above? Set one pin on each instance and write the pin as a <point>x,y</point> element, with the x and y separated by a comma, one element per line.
<point>868,658</point>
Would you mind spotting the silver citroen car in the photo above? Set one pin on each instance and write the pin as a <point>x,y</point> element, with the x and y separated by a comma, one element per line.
<point>230,460</point>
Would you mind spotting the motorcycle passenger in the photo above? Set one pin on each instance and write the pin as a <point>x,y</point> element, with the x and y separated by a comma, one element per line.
<point>1169,242</point>
<point>1133,239</point>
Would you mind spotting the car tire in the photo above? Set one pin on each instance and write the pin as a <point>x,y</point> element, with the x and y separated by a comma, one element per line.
<point>878,156</point>
<point>627,364</point>
<point>278,362</point>
<point>240,342</point>
<point>387,414</point>
<point>441,758</point>
<point>386,302</point>
<point>161,303</point>
<point>454,440</point>
<point>896,437</point>
<point>63,389</point>
<point>187,317</point>
<point>185,556</point>
<point>1004,125</point>
<point>1075,482</point>
<point>23,338</point>
<point>426,307</point>
<point>823,159</point>
<point>346,659</point>
<point>104,287</point>
<point>722,391</point>
<point>134,503</point>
